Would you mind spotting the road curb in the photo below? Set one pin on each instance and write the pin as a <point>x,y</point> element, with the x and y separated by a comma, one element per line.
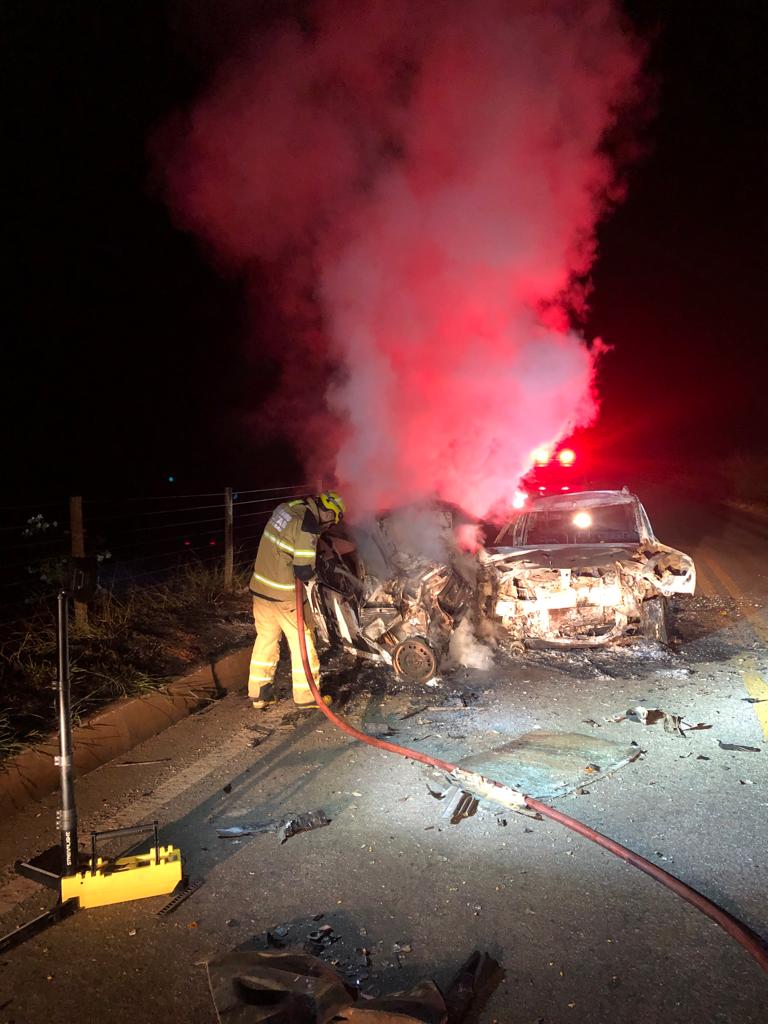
<point>31,775</point>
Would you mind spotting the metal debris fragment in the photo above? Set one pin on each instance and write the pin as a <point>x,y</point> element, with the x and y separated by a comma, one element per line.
<point>179,896</point>
<point>460,805</point>
<point>672,723</point>
<point>302,823</point>
<point>286,827</point>
<point>738,746</point>
<point>412,714</point>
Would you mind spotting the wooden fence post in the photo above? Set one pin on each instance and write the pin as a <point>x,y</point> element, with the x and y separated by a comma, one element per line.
<point>77,538</point>
<point>229,553</point>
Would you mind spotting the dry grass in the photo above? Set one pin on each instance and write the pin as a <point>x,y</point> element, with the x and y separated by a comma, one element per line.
<point>135,641</point>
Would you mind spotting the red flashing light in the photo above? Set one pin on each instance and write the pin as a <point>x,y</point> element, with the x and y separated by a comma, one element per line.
<point>187,543</point>
<point>212,543</point>
<point>566,457</point>
<point>542,488</point>
<point>565,488</point>
<point>540,457</point>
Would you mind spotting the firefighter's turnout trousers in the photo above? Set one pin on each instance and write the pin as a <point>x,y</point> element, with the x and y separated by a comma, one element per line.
<point>272,618</point>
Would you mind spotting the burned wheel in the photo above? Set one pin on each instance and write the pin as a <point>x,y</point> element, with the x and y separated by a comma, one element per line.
<point>414,660</point>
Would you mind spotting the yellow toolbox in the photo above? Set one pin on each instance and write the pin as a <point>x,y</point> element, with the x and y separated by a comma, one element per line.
<point>133,877</point>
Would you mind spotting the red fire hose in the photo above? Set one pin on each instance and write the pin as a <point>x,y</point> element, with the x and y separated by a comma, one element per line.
<point>739,931</point>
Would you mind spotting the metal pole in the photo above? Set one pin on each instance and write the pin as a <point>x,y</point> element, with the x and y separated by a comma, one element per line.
<point>66,818</point>
<point>229,554</point>
<point>77,536</point>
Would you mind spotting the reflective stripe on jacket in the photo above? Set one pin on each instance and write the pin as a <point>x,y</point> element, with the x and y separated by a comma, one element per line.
<point>287,550</point>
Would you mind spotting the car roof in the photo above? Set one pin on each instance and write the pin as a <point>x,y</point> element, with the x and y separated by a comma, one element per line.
<point>582,499</point>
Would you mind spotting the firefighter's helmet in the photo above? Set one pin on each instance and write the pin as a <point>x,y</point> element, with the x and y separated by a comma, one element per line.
<point>334,503</point>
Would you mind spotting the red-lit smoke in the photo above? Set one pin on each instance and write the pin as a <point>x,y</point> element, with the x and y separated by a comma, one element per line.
<point>430,175</point>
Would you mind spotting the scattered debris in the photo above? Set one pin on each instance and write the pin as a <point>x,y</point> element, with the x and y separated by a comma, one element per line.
<point>754,700</point>
<point>435,793</point>
<point>227,788</point>
<point>267,986</point>
<point>412,714</point>
<point>593,769</point>
<point>286,827</point>
<point>460,805</point>
<point>179,896</point>
<point>746,782</point>
<point>318,941</point>
<point>263,733</point>
<point>302,823</point>
<point>472,985</point>
<point>389,731</point>
<point>738,746</point>
<point>450,707</point>
<point>672,723</point>
<point>290,717</point>
<point>251,829</point>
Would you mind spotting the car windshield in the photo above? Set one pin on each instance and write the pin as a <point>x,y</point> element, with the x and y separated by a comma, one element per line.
<point>597,524</point>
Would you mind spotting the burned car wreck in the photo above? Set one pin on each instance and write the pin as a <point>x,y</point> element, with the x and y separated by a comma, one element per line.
<point>582,569</point>
<point>579,570</point>
<point>388,591</point>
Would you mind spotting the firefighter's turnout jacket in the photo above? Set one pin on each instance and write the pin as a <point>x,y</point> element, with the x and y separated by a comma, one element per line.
<point>287,550</point>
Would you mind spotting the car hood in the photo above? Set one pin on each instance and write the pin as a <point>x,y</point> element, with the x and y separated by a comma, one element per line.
<point>667,570</point>
<point>564,556</point>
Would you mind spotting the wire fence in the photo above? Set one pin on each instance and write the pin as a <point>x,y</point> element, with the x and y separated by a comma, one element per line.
<point>135,541</point>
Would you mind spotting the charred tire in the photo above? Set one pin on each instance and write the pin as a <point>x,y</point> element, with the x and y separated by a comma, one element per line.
<point>654,619</point>
<point>414,660</point>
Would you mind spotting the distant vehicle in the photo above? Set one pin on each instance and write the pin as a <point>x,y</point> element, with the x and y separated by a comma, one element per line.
<point>554,471</point>
<point>581,570</point>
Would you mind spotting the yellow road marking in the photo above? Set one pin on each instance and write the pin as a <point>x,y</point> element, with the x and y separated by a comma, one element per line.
<point>758,688</point>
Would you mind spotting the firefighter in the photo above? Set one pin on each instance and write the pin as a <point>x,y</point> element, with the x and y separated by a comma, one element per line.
<point>287,552</point>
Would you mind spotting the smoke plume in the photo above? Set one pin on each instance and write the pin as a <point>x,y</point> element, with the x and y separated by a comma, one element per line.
<point>423,182</point>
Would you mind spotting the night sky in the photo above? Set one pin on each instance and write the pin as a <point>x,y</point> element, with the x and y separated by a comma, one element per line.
<point>127,356</point>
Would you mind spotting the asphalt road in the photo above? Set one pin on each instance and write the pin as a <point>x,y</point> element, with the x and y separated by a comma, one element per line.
<point>581,936</point>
